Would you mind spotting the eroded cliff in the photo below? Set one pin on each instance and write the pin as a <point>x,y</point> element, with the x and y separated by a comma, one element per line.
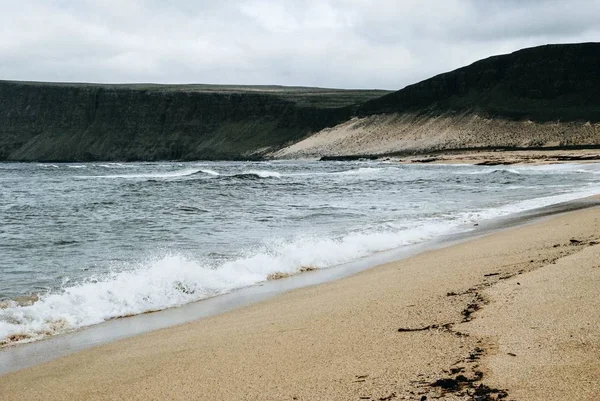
<point>82,122</point>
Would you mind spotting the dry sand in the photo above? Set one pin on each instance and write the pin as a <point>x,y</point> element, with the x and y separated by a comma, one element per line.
<point>516,310</point>
<point>422,133</point>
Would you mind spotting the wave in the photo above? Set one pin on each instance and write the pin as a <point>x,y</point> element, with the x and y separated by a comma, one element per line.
<point>169,174</point>
<point>363,171</point>
<point>209,172</point>
<point>189,172</point>
<point>254,174</point>
<point>553,168</point>
<point>548,169</point>
<point>494,171</point>
<point>115,165</point>
<point>261,174</point>
<point>175,280</point>
<point>529,204</point>
<point>251,174</point>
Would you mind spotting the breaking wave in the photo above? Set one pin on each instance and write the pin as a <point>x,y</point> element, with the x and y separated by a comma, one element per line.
<point>174,280</point>
<point>188,172</point>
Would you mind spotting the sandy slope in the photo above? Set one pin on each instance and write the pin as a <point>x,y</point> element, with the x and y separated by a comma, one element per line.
<point>529,291</point>
<point>391,133</point>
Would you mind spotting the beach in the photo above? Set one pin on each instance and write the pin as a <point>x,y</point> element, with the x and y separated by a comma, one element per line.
<point>512,314</point>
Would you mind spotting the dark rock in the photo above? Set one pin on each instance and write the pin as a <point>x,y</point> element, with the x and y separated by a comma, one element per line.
<point>469,310</point>
<point>430,327</point>
<point>446,384</point>
<point>484,393</point>
<point>494,163</point>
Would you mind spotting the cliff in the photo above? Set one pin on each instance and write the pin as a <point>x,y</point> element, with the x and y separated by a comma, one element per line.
<point>542,97</point>
<point>547,96</point>
<point>86,122</point>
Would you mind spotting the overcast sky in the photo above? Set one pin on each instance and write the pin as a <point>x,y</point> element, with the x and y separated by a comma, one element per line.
<point>329,43</point>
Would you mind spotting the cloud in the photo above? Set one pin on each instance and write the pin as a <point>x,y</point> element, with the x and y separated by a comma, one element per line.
<point>334,43</point>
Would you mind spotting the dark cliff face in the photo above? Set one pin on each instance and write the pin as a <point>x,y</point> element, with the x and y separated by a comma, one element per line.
<point>546,83</point>
<point>71,122</point>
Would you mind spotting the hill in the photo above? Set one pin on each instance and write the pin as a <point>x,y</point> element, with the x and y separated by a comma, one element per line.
<point>541,97</point>
<point>546,96</point>
<point>86,122</point>
<point>545,83</point>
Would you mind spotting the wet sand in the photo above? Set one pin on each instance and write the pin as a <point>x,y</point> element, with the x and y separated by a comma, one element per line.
<point>516,311</point>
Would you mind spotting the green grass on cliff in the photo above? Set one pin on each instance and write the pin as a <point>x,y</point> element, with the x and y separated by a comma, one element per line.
<point>301,95</point>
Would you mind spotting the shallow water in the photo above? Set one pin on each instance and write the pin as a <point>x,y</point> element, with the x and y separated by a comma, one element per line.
<point>103,240</point>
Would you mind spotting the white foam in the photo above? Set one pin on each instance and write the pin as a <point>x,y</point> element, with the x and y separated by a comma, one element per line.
<point>364,171</point>
<point>494,171</point>
<point>174,280</point>
<point>209,172</point>
<point>589,168</point>
<point>169,174</point>
<point>530,204</point>
<point>115,165</point>
<point>263,173</point>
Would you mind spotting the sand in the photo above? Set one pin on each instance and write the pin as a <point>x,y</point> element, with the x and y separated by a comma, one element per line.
<point>409,133</point>
<point>515,311</point>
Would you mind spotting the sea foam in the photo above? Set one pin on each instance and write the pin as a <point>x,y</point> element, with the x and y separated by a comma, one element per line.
<point>174,280</point>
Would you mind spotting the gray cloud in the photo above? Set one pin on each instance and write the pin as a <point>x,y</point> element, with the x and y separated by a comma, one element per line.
<point>335,43</point>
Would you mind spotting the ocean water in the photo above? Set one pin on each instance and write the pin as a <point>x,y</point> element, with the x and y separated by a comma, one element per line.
<point>84,243</point>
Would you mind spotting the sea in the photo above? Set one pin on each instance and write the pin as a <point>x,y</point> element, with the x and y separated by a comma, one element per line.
<point>83,243</point>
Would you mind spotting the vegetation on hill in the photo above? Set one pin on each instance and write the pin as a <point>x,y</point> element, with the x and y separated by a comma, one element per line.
<point>545,83</point>
<point>86,122</point>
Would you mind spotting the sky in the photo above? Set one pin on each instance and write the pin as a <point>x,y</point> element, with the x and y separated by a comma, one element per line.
<point>328,43</point>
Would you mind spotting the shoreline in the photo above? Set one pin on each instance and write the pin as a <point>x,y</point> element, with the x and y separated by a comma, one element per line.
<point>476,157</point>
<point>490,156</point>
<point>14,357</point>
<point>522,157</point>
<point>329,317</point>
<point>463,221</point>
